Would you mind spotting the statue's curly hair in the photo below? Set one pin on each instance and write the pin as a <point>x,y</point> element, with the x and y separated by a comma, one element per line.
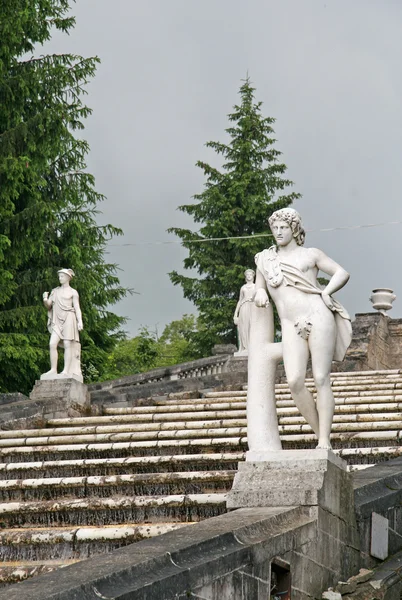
<point>293,219</point>
<point>249,271</point>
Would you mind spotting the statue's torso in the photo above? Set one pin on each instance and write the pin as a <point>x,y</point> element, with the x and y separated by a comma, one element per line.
<point>64,296</point>
<point>248,292</point>
<point>291,302</point>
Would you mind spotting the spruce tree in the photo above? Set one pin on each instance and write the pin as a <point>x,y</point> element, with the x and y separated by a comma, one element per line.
<point>237,200</point>
<point>48,201</point>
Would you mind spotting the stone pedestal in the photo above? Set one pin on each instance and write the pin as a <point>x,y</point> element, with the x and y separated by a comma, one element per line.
<point>63,397</point>
<point>293,478</point>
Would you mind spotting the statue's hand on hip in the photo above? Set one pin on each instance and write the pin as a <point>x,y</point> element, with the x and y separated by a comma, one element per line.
<point>329,303</point>
<point>261,298</point>
<point>236,320</point>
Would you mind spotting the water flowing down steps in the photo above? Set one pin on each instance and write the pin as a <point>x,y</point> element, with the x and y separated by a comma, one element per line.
<point>82,486</point>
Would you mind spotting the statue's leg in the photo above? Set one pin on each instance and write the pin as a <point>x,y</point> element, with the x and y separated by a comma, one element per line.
<point>67,357</point>
<point>54,342</point>
<point>263,357</point>
<point>322,345</point>
<point>295,358</point>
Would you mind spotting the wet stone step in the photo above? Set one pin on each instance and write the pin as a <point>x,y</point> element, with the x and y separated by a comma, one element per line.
<point>114,466</point>
<point>154,418</point>
<point>217,402</point>
<point>121,449</point>
<point>338,386</point>
<point>67,543</point>
<point>225,407</point>
<point>171,409</point>
<point>146,484</point>
<point>140,436</point>
<point>209,415</point>
<point>142,429</point>
<point>189,434</point>
<point>109,511</point>
<point>35,453</point>
<point>12,572</point>
<point>376,454</point>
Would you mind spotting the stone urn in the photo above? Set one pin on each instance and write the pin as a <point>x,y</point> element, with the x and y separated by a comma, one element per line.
<point>382,299</point>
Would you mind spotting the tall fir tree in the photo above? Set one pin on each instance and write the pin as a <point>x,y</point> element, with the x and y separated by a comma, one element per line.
<point>48,202</point>
<point>237,201</point>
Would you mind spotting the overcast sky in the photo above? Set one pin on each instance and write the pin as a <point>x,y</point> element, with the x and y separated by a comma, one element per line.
<point>328,71</point>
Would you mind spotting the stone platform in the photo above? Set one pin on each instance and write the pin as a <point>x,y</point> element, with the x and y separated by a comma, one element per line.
<point>293,478</point>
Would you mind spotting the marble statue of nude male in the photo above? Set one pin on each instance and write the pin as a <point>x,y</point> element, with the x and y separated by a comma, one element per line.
<point>313,325</point>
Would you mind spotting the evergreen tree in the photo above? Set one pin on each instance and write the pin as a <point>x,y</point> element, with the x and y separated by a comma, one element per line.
<point>47,199</point>
<point>237,201</point>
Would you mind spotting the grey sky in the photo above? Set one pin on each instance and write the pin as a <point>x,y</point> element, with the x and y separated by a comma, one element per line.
<point>328,70</point>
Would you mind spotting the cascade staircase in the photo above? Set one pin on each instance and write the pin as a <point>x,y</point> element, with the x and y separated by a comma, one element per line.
<point>82,486</point>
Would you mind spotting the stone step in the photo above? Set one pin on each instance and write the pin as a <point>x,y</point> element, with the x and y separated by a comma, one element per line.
<point>106,486</point>
<point>197,431</point>
<point>337,386</point>
<point>168,463</point>
<point>118,450</point>
<point>195,406</point>
<point>217,402</point>
<point>188,429</point>
<point>343,413</point>
<point>74,543</point>
<point>110,511</point>
<point>12,572</point>
<point>221,407</point>
<point>207,415</point>
<point>370,454</point>
<point>138,437</point>
<point>142,429</point>
<point>349,416</point>
<point>196,445</point>
<point>111,466</point>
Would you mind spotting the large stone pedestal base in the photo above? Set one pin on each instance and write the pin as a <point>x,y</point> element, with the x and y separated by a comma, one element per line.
<point>64,397</point>
<point>293,478</point>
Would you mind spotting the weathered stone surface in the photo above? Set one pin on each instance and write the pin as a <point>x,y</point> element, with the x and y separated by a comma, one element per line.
<point>71,392</point>
<point>170,565</point>
<point>379,536</point>
<point>223,349</point>
<point>362,576</point>
<point>293,478</point>
<point>346,587</point>
<point>331,595</point>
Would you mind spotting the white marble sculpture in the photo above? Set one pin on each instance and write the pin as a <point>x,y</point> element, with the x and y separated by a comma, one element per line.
<point>64,324</point>
<point>313,325</point>
<point>242,315</point>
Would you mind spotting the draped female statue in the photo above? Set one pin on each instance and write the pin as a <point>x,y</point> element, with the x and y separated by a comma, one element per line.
<point>242,315</point>
<point>64,324</point>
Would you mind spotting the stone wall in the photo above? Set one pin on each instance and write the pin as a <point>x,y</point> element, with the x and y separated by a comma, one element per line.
<point>376,343</point>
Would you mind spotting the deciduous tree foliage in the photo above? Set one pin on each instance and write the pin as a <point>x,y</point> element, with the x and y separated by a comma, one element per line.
<point>48,202</point>
<point>148,351</point>
<point>237,200</point>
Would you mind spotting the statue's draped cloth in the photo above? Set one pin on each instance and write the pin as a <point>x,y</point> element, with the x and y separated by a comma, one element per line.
<point>62,319</point>
<point>276,273</point>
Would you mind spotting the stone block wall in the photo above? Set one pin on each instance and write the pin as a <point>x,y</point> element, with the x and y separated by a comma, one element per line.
<point>376,343</point>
